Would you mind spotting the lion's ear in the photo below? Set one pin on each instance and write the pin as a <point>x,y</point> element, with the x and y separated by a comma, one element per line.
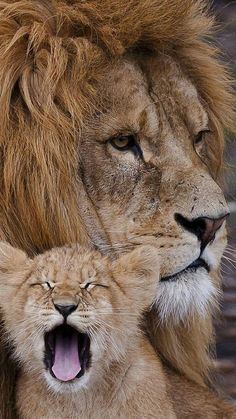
<point>137,274</point>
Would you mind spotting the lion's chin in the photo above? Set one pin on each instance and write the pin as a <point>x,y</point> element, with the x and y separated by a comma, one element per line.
<point>192,268</point>
<point>191,294</point>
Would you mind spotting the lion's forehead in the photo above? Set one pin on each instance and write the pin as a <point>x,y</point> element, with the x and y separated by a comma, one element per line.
<point>160,87</point>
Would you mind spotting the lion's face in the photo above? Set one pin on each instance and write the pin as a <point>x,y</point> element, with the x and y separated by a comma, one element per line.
<point>145,167</point>
<point>71,312</point>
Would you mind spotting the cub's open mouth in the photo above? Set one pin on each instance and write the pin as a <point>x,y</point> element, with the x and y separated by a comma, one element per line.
<point>67,353</point>
<point>198,263</point>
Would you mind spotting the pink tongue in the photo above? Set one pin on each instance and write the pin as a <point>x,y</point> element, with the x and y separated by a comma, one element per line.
<point>66,364</point>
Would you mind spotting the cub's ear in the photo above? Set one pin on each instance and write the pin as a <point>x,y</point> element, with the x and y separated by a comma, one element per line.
<point>14,266</point>
<point>137,274</point>
<point>11,259</point>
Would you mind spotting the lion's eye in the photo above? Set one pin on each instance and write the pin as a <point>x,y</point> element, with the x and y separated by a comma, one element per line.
<point>126,143</point>
<point>200,136</point>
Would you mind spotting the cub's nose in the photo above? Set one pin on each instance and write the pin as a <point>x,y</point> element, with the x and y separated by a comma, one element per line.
<point>204,228</point>
<point>65,309</point>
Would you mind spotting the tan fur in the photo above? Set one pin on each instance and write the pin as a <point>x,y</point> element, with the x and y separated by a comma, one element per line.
<point>125,378</point>
<point>73,74</point>
<point>192,401</point>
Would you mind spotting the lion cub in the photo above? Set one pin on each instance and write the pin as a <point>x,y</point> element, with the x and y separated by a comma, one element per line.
<point>73,317</point>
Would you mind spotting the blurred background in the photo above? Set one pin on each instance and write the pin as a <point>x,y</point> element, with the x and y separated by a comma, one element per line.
<point>226,326</point>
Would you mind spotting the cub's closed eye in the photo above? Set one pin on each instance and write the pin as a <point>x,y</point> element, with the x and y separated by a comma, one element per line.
<point>48,285</point>
<point>126,143</point>
<point>45,285</point>
<point>90,285</point>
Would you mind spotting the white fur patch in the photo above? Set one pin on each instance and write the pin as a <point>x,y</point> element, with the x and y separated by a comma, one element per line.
<point>192,294</point>
<point>69,387</point>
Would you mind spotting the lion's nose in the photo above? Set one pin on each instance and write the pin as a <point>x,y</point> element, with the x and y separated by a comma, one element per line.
<point>65,309</point>
<point>204,228</point>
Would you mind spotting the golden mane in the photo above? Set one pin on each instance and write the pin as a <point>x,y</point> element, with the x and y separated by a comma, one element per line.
<point>51,54</point>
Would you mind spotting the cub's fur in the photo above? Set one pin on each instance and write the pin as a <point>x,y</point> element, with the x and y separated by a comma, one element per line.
<point>119,373</point>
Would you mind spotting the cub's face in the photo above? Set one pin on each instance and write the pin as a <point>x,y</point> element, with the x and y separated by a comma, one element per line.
<point>71,312</point>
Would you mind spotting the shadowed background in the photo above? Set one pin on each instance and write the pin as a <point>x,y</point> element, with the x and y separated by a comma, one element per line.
<point>226,328</point>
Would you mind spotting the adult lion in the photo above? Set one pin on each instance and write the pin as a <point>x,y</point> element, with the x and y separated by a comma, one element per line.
<point>112,118</point>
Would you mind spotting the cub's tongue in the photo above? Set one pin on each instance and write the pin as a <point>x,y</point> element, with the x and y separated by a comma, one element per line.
<point>66,362</point>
